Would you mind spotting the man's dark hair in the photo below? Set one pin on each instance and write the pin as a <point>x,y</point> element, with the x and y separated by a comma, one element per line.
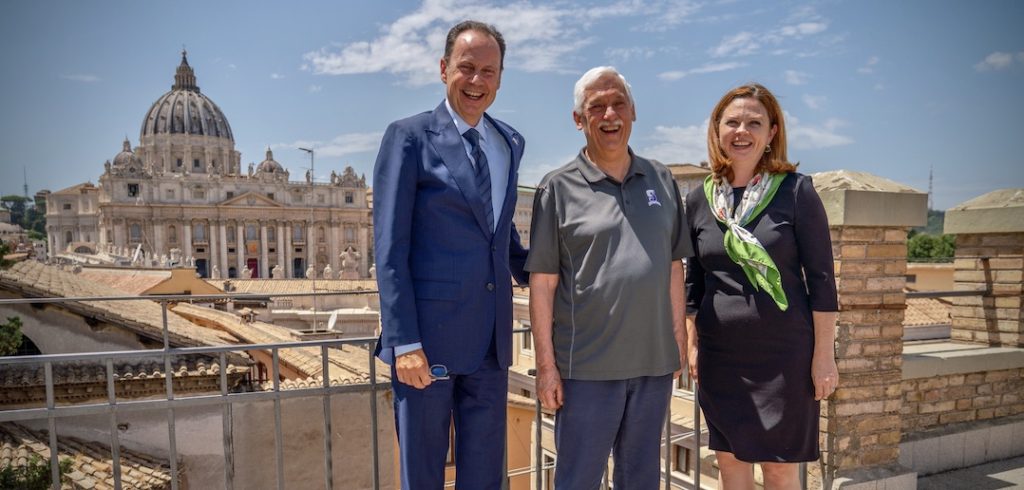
<point>472,25</point>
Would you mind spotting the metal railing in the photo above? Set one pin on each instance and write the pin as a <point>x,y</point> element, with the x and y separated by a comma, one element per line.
<point>226,397</point>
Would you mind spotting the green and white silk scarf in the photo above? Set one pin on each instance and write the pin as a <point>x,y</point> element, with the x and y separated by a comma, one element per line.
<point>742,246</point>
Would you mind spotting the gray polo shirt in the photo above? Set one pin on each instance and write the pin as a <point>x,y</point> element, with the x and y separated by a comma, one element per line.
<point>612,245</point>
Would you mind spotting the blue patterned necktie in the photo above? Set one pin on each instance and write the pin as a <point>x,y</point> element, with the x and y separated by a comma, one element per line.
<point>483,174</point>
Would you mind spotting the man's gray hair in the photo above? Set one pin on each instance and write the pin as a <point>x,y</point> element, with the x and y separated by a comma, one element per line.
<point>588,79</point>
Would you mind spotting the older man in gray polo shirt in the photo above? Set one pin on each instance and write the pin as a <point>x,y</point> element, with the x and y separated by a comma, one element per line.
<point>606,294</point>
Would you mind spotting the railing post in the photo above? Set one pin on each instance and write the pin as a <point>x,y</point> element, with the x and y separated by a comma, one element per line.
<point>371,347</point>
<point>696,436</point>
<point>278,435</point>
<point>172,442</point>
<point>115,446</point>
<point>328,455</point>
<point>538,450</point>
<point>52,425</point>
<point>226,419</point>
<point>668,446</point>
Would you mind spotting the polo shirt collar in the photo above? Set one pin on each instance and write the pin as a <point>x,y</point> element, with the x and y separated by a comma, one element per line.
<point>594,174</point>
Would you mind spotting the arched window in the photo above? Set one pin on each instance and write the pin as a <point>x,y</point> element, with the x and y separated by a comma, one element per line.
<point>172,234</point>
<point>251,233</point>
<point>68,237</point>
<point>271,234</point>
<point>297,235</point>
<point>320,235</point>
<point>199,232</point>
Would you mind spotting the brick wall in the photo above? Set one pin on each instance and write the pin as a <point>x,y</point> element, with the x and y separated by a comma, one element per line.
<point>993,319</point>
<point>940,400</point>
<point>861,422</point>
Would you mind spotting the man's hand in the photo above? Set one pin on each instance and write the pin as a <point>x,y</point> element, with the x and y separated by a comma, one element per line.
<point>412,369</point>
<point>691,360</point>
<point>549,387</point>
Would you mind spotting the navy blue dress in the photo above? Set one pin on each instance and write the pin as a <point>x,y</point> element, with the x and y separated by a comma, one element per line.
<point>754,360</point>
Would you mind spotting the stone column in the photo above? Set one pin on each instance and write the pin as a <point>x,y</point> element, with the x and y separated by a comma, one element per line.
<point>989,257</point>
<point>363,232</point>
<point>288,246</point>
<point>280,247</point>
<point>120,233</point>
<point>860,429</point>
<point>222,240</point>
<point>311,245</point>
<point>186,244</point>
<point>213,247</point>
<point>334,239</point>
<point>240,249</point>
<point>158,239</point>
<point>264,266</point>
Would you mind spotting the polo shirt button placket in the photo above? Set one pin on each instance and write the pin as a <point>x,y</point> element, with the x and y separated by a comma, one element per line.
<point>490,286</point>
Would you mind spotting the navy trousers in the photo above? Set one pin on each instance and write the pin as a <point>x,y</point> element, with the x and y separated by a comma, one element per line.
<point>624,418</point>
<point>477,403</point>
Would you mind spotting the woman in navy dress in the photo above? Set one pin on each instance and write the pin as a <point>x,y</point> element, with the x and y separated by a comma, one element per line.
<point>761,297</point>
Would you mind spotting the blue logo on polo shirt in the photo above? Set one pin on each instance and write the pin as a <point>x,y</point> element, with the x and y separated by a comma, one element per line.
<point>652,198</point>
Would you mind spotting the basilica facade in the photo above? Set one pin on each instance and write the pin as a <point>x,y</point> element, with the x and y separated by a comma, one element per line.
<point>182,196</point>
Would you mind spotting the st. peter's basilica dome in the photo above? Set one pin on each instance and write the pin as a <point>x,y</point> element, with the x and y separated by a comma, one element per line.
<point>184,110</point>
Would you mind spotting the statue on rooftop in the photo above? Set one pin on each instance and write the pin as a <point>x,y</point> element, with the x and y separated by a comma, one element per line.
<point>328,272</point>
<point>350,260</point>
<point>310,272</point>
<point>215,274</point>
<point>277,272</point>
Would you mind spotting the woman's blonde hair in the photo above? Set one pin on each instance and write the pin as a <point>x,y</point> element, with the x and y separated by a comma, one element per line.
<point>774,160</point>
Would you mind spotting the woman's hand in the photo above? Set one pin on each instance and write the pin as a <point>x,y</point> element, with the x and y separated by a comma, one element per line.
<point>824,374</point>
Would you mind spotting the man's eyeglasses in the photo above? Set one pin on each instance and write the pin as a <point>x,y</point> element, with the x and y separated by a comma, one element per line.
<point>439,371</point>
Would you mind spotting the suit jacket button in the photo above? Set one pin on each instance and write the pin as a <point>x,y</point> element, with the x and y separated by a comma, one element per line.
<point>494,249</point>
<point>490,286</point>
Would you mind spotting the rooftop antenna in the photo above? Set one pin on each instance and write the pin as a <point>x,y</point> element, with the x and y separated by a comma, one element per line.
<point>311,257</point>
<point>24,187</point>
<point>931,171</point>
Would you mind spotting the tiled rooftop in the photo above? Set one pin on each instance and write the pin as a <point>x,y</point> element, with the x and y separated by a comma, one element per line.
<point>927,311</point>
<point>34,279</point>
<point>91,465</point>
<point>129,280</point>
<point>279,286</point>
<point>349,365</point>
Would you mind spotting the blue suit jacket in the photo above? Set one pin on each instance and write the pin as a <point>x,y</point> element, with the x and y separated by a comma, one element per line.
<point>444,278</point>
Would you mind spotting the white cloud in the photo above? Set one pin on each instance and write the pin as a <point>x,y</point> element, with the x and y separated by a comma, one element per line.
<point>869,66</point>
<point>678,144</point>
<point>998,60</point>
<point>276,76</point>
<point>670,14</point>
<point>79,77</point>
<point>706,68</point>
<point>341,145</point>
<point>315,89</point>
<point>232,66</point>
<point>794,77</point>
<point>627,54</point>
<point>814,101</point>
<point>740,44</point>
<point>747,43</point>
<point>811,137</point>
<point>541,37</point>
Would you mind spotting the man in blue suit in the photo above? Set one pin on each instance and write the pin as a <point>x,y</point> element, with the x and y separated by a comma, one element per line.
<point>444,195</point>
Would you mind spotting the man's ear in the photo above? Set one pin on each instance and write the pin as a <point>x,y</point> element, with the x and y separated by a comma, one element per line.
<point>444,71</point>
<point>578,120</point>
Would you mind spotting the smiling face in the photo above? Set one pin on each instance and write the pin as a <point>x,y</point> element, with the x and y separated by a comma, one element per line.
<point>607,119</point>
<point>744,130</point>
<point>472,74</point>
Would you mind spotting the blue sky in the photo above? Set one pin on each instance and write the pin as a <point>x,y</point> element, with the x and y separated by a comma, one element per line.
<point>886,87</point>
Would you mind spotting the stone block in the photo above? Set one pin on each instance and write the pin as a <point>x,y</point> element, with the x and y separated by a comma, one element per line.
<point>951,450</point>
<point>863,234</point>
<point>956,417</point>
<point>937,407</point>
<point>926,455</point>
<point>886,283</point>
<point>975,446</point>
<point>895,267</point>
<point>885,251</point>
<point>1000,443</point>
<point>895,235</point>
<point>851,251</point>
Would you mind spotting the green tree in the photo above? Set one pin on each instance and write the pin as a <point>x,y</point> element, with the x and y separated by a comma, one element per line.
<point>923,247</point>
<point>4,250</point>
<point>16,205</point>
<point>35,475</point>
<point>10,338</point>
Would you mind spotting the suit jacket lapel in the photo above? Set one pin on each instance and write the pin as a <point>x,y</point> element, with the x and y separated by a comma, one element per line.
<point>447,141</point>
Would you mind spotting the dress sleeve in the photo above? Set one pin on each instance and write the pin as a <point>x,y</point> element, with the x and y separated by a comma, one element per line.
<point>694,271</point>
<point>814,247</point>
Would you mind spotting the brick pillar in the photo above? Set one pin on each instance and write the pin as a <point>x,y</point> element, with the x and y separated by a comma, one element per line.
<point>989,233</point>
<point>860,427</point>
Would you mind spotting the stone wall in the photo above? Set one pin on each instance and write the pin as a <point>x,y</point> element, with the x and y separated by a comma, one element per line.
<point>935,402</point>
<point>861,426</point>
<point>983,260</point>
